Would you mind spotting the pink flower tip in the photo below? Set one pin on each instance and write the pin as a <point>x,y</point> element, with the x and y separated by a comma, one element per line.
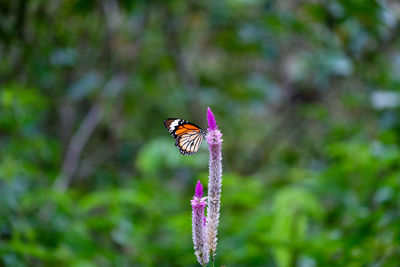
<point>199,190</point>
<point>212,125</point>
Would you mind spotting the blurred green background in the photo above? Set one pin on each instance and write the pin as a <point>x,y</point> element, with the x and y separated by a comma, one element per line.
<point>306,93</point>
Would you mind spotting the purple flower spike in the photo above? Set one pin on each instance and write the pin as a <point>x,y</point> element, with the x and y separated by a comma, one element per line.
<point>212,125</point>
<point>214,182</point>
<point>199,190</point>
<point>201,249</point>
<point>205,230</point>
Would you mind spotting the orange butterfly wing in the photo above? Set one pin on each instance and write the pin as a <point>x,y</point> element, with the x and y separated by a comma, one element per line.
<point>188,136</point>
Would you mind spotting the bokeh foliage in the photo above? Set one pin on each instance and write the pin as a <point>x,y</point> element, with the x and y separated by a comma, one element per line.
<point>305,92</point>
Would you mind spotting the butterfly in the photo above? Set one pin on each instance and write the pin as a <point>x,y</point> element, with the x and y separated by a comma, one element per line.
<point>188,136</point>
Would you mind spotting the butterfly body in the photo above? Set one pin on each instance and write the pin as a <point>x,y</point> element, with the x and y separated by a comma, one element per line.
<point>188,136</point>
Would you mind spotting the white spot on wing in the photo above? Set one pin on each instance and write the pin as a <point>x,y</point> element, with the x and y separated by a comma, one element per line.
<point>173,125</point>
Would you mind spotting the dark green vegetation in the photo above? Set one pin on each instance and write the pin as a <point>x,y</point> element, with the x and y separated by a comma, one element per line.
<point>305,92</point>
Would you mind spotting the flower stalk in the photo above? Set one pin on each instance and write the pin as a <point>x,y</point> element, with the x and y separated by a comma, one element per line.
<point>214,183</point>
<point>198,226</point>
<point>204,229</point>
